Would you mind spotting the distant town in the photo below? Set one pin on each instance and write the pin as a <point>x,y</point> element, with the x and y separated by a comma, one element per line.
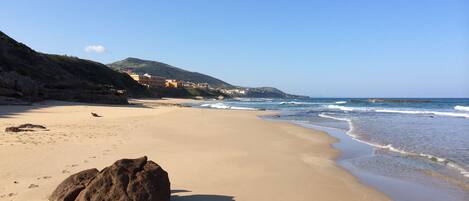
<point>159,82</point>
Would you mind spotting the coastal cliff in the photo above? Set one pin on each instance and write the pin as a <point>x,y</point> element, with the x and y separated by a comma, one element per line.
<point>27,75</point>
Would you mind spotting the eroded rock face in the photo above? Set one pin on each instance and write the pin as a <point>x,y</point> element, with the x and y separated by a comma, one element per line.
<point>126,180</point>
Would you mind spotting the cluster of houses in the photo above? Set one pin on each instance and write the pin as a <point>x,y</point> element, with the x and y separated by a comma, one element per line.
<point>233,92</point>
<point>152,81</point>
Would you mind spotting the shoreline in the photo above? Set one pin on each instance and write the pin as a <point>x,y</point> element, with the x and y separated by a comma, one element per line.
<point>220,155</point>
<point>395,188</point>
<point>435,186</point>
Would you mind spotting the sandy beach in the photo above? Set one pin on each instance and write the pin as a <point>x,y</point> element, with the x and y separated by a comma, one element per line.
<point>210,155</point>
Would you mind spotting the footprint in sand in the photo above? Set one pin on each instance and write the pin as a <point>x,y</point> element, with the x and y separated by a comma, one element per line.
<point>33,186</point>
<point>44,177</point>
<point>8,195</point>
<point>65,171</point>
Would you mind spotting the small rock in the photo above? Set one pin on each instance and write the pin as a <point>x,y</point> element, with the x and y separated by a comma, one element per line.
<point>15,129</point>
<point>95,115</point>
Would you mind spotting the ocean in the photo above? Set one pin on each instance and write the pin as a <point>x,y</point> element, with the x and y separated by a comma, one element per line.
<point>417,149</point>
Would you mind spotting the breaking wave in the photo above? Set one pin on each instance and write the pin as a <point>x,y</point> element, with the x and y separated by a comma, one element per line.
<point>428,112</point>
<point>451,114</point>
<point>300,103</point>
<point>462,108</point>
<point>349,109</point>
<point>224,106</point>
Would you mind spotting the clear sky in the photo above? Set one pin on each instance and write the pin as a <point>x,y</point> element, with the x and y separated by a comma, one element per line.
<point>375,48</point>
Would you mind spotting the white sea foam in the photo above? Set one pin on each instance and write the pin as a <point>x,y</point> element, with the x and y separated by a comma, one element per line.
<point>462,108</point>
<point>389,147</point>
<point>349,109</point>
<point>215,105</point>
<point>429,112</point>
<point>340,102</point>
<point>340,107</point>
<point>241,108</point>
<point>451,114</point>
<point>349,121</point>
<point>224,106</point>
<point>300,103</point>
<point>253,99</point>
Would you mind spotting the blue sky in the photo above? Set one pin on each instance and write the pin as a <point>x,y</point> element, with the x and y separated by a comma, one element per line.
<point>318,48</point>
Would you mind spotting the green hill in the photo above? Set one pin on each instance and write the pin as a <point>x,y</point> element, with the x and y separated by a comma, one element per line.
<point>29,75</point>
<point>166,70</point>
<point>141,66</point>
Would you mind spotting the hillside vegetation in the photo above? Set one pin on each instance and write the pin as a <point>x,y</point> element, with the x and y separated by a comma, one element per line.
<point>29,75</point>
<point>166,70</point>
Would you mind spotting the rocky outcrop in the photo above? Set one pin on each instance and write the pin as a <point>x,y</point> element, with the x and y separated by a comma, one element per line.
<point>126,180</point>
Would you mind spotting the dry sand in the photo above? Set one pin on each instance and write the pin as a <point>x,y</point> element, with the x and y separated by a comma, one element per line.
<point>211,155</point>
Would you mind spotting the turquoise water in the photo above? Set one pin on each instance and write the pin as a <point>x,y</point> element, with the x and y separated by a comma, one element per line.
<point>425,143</point>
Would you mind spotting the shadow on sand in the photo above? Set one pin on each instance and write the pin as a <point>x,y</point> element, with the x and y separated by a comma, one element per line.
<point>198,197</point>
<point>8,111</point>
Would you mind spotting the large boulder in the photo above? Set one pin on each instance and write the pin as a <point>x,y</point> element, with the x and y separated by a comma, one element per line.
<point>126,180</point>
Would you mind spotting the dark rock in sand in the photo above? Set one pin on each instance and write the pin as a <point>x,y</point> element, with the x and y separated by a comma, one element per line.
<point>31,126</point>
<point>95,115</point>
<point>126,180</point>
<point>69,189</point>
<point>24,127</point>
<point>14,129</point>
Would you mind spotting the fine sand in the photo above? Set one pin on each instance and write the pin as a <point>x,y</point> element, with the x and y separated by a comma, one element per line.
<point>210,155</point>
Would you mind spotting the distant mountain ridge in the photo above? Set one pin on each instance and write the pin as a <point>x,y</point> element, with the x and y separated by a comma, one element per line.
<point>141,66</point>
<point>29,75</point>
<point>166,70</point>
